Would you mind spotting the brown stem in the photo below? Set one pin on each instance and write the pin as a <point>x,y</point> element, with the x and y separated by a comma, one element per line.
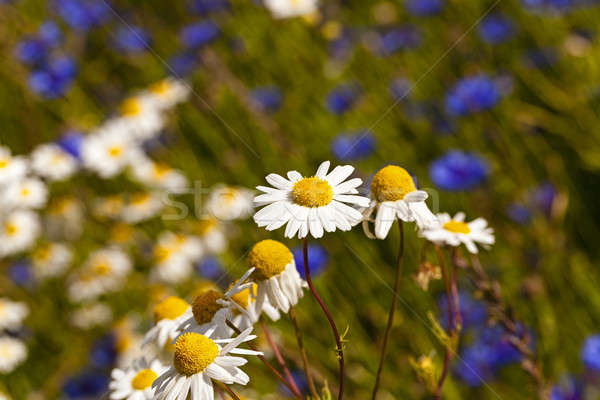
<point>263,359</point>
<point>448,355</point>
<point>227,389</point>
<point>305,364</point>
<point>456,298</point>
<point>390,321</point>
<point>280,359</point>
<point>338,340</point>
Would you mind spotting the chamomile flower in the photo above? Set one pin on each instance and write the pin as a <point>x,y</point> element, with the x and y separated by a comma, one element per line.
<point>211,234</point>
<point>12,168</point>
<point>310,204</point>
<point>228,203</point>
<point>25,193</point>
<point>453,231</point>
<point>139,116</point>
<point>18,231</point>
<point>107,152</point>
<point>142,206</point>
<point>273,268</point>
<point>12,314</point>
<point>50,161</point>
<point>174,255</point>
<point>197,361</point>
<point>395,196</point>
<point>12,353</point>
<point>291,8</point>
<point>135,383</point>
<point>91,315</point>
<point>167,93</point>
<point>50,260</point>
<point>168,315</point>
<point>157,174</point>
<point>207,315</point>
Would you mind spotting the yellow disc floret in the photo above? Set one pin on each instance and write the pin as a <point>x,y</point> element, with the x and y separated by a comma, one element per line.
<point>205,306</point>
<point>193,353</point>
<point>130,107</point>
<point>143,379</point>
<point>457,227</point>
<point>243,298</point>
<point>270,258</point>
<point>170,308</point>
<point>312,192</point>
<point>392,183</point>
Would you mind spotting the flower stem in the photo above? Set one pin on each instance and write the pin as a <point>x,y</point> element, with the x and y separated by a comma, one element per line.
<point>305,364</point>
<point>227,389</point>
<point>392,311</point>
<point>338,341</point>
<point>280,359</point>
<point>456,298</point>
<point>448,355</point>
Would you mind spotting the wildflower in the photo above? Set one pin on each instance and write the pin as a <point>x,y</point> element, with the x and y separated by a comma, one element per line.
<point>207,315</point>
<point>54,78</point>
<point>518,213</point>
<point>471,95</point>
<point>12,168</point>
<point>473,312</point>
<point>211,235</point>
<point>156,174</point>
<point>107,152</point>
<point>228,203</point>
<point>394,195</point>
<point>342,98</point>
<point>12,314</point>
<point>400,38</point>
<point>423,7</point>
<point>86,385</point>
<point>174,256</point>
<point>83,15</point>
<point>496,28</point>
<point>12,353</point>
<point>142,206</point>
<point>458,170</point>
<point>139,117</point>
<point>453,231</point>
<point>291,8</point>
<point>590,352</point>
<point>50,161</point>
<point>26,193</point>
<point>267,98</point>
<point>353,146</point>
<point>197,361</point>
<point>209,6</point>
<point>132,39</point>
<point>310,204</point>
<point>168,315</point>
<point>167,93</point>
<point>71,143</point>
<point>135,383</point>
<point>198,34</point>
<point>91,315</point>
<point>18,231</point>
<point>568,388</point>
<point>50,260</point>
<point>318,259</point>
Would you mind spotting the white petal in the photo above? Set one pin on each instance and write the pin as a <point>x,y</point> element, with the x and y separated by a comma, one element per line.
<point>386,214</point>
<point>326,218</point>
<point>294,176</point>
<point>279,181</point>
<point>314,224</point>
<point>417,195</point>
<point>322,170</point>
<point>339,173</point>
<point>347,186</point>
<point>360,201</point>
<point>219,373</point>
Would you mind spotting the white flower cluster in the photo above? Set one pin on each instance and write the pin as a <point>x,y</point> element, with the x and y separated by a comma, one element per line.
<point>12,350</point>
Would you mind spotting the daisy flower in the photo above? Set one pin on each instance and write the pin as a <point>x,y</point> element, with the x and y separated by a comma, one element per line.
<point>273,269</point>
<point>140,118</point>
<point>395,195</point>
<point>174,255</point>
<point>142,206</point>
<point>168,315</point>
<point>50,161</point>
<point>228,203</point>
<point>18,231</point>
<point>135,383</point>
<point>453,231</point>
<point>167,93</point>
<point>91,315</point>
<point>12,168</point>
<point>12,353</point>
<point>310,204</point>
<point>211,234</point>
<point>291,8</point>
<point>12,314</point>
<point>50,260</point>
<point>197,361</point>
<point>207,315</point>
<point>25,193</point>
<point>107,152</point>
<point>156,174</point>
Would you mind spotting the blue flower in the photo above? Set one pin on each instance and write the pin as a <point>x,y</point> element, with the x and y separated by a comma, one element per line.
<point>20,273</point>
<point>471,95</point>
<point>496,28</point>
<point>301,382</point>
<point>553,6</point>
<point>402,38</point>
<point>182,64</point>
<point>318,259</point>
<point>472,312</point>
<point>209,267</point>
<point>53,79</point>
<point>342,98</point>
<point>457,170</point>
<point>341,47</point>
<point>590,352</point>
<point>50,33</point>
<point>568,388</point>
<point>205,7</point>
<point>268,98</point>
<point>31,51</point>
<point>353,146</point>
<point>104,352</point>
<point>83,15</point>
<point>132,39</point>
<point>543,198</point>
<point>423,7</point>
<point>198,34</point>
<point>71,143</point>
<point>86,385</point>
<point>541,58</point>
<point>519,213</point>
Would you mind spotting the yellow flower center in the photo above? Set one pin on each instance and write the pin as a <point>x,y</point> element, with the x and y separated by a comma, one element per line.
<point>10,229</point>
<point>3,163</point>
<point>193,353</point>
<point>270,258</point>
<point>130,107</point>
<point>160,170</point>
<point>160,87</point>
<point>170,308</point>
<point>114,151</point>
<point>25,192</point>
<point>205,306</point>
<point>206,226</point>
<point>243,298</point>
<point>102,268</point>
<point>143,379</point>
<point>42,253</point>
<point>457,227</point>
<point>392,183</point>
<point>140,198</point>
<point>312,192</point>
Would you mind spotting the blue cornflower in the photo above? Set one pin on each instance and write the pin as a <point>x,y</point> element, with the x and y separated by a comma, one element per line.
<point>496,28</point>
<point>472,312</point>
<point>20,273</point>
<point>268,98</point>
<point>352,146</point>
<point>549,5</point>
<point>423,7</point>
<point>50,33</point>
<point>132,39</point>
<point>518,213</point>
<point>342,98</point>
<point>341,47</point>
<point>104,352</point>
<point>401,38</point>
<point>209,267</point>
<point>71,142</point>
<point>318,259</point>
<point>198,34</point>
<point>568,388</point>
<point>31,51</point>
<point>54,79</point>
<point>182,64</point>
<point>209,6</point>
<point>83,15</point>
<point>301,382</point>
<point>457,170</point>
<point>543,198</point>
<point>541,58</point>
<point>590,352</point>
<point>86,385</point>
<point>471,95</point>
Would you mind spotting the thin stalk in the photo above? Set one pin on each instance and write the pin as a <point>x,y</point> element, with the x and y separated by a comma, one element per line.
<point>227,389</point>
<point>447,355</point>
<point>392,311</point>
<point>280,359</point>
<point>338,340</point>
<point>264,360</point>
<point>456,298</point>
<point>305,364</point>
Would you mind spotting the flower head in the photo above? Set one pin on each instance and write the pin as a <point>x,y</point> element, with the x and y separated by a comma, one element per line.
<point>458,170</point>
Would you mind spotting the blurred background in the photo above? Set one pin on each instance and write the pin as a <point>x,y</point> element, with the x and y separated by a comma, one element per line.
<point>491,105</point>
